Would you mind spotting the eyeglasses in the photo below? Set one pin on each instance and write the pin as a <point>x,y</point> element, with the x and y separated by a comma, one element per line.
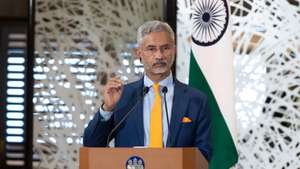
<point>164,49</point>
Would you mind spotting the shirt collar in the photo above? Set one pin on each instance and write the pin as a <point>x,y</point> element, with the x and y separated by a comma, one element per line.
<point>168,81</point>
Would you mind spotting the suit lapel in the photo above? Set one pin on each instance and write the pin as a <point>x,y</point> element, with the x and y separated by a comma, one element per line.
<point>180,103</point>
<point>138,113</point>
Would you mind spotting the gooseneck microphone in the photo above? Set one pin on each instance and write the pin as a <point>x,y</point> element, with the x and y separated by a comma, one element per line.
<point>145,91</point>
<point>165,91</point>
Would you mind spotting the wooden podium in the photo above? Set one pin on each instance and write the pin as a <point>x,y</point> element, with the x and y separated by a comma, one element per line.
<point>165,158</point>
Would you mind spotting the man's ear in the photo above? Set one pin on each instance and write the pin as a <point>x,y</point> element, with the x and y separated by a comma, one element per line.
<point>175,48</point>
<point>137,53</point>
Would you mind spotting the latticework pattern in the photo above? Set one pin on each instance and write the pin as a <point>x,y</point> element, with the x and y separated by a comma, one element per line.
<point>79,45</point>
<point>267,62</point>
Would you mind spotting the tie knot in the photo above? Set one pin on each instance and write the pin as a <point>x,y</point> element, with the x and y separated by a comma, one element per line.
<point>156,87</point>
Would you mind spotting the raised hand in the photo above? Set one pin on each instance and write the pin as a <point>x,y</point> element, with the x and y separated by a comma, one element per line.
<point>111,93</point>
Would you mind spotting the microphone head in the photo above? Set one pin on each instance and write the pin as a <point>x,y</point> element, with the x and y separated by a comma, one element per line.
<point>164,89</point>
<point>145,90</point>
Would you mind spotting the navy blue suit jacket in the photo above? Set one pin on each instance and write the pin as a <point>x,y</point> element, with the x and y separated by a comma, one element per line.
<point>187,102</point>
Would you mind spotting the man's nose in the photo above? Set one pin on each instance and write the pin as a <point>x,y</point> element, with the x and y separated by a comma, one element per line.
<point>159,54</point>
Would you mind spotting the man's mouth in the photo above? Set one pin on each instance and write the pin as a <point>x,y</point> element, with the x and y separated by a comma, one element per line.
<point>159,64</point>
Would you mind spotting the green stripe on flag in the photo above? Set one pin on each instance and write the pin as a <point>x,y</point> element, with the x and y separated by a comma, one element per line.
<point>224,152</point>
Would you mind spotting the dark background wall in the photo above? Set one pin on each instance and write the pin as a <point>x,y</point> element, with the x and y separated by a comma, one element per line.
<point>16,44</point>
<point>13,9</point>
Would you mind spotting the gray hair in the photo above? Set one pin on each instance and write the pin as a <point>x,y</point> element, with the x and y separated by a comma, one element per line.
<point>153,26</point>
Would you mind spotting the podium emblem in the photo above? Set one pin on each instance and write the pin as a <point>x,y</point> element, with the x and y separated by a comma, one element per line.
<point>135,162</point>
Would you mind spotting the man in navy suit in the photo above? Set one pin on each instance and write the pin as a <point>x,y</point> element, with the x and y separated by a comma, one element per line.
<point>185,117</point>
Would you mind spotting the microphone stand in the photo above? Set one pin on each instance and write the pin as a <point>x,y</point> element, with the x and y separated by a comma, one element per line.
<point>165,91</point>
<point>145,91</point>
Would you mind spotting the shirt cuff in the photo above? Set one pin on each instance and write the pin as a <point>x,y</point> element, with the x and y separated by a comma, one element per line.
<point>106,115</point>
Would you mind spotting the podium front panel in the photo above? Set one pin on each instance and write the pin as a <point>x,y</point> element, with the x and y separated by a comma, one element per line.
<point>153,158</point>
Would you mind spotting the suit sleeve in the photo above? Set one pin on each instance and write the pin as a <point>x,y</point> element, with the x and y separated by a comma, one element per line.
<point>203,130</point>
<point>97,131</point>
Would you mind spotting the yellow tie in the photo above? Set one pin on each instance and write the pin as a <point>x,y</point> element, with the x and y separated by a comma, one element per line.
<point>156,140</point>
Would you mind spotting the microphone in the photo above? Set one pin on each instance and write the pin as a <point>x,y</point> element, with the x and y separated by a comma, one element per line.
<point>165,91</point>
<point>145,91</point>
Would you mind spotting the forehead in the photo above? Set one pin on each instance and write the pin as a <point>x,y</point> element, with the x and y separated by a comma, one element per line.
<point>157,39</point>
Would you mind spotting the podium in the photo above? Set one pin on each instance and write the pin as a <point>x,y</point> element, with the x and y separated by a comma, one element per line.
<point>150,158</point>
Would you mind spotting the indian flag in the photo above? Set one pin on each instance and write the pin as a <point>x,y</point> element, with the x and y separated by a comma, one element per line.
<point>211,71</point>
